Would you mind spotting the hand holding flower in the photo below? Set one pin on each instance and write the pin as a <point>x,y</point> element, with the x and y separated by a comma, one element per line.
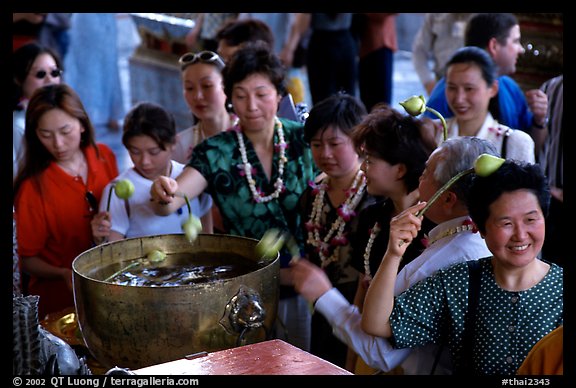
<point>484,165</point>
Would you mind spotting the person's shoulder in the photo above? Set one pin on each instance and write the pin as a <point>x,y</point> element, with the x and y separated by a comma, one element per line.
<point>290,125</point>
<point>508,83</point>
<point>104,148</point>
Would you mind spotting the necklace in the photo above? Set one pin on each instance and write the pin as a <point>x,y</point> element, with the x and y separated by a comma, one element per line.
<point>466,225</point>
<point>373,233</point>
<point>345,213</point>
<point>77,173</point>
<point>196,132</point>
<point>280,146</point>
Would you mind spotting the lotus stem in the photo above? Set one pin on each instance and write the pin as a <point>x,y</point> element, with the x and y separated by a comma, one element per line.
<point>443,189</point>
<point>188,204</point>
<point>110,197</point>
<point>444,126</point>
<point>129,266</point>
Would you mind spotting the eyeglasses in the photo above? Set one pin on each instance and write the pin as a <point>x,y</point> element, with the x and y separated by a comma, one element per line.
<point>202,56</point>
<point>92,201</point>
<point>54,73</point>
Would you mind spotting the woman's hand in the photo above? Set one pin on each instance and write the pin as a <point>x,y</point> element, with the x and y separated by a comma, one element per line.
<point>163,190</point>
<point>309,280</point>
<point>403,229</point>
<point>101,227</point>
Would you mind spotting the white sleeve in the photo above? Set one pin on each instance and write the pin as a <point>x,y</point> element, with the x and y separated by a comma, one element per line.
<point>345,320</point>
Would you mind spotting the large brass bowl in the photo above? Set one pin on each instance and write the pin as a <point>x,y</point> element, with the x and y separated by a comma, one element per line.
<point>137,326</point>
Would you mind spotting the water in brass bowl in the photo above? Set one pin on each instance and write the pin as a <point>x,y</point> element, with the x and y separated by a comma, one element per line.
<point>133,326</point>
<point>177,270</point>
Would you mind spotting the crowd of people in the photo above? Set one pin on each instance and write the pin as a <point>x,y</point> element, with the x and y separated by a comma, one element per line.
<point>347,180</point>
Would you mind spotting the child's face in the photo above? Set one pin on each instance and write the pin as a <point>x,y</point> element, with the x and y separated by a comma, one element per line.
<point>334,152</point>
<point>149,159</point>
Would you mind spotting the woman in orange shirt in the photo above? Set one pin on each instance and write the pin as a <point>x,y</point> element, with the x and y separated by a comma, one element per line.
<point>57,192</point>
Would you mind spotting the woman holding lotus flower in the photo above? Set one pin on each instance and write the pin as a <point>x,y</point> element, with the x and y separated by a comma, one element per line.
<point>519,298</point>
<point>149,136</point>
<point>62,176</point>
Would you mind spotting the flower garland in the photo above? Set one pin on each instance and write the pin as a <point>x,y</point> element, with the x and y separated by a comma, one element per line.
<point>466,225</point>
<point>373,233</point>
<point>247,167</point>
<point>345,213</point>
<point>196,132</point>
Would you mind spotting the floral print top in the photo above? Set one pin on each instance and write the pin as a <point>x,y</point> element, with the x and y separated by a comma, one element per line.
<point>218,159</point>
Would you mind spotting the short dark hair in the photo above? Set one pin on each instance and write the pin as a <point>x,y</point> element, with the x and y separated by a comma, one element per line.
<point>254,58</point>
<point>478,56</point>
<point>340,110</point>
<point>236,32</point>
<point>150,119</point>
<point>511,176</point>
<point>396,138</point>
<point>484,26</point>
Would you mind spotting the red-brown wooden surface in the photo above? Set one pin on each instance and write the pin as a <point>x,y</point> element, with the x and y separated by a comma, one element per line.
<point>274,357</point>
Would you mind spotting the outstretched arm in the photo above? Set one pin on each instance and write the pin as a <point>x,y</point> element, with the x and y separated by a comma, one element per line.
<point>167,194</point>
<point>380,296</point>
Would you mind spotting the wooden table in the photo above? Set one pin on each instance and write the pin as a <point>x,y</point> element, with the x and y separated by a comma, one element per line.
<point>274,357</point>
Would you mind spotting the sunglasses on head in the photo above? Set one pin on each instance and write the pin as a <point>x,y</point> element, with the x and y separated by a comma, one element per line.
<point>202,56</point>
<point>54,73</point>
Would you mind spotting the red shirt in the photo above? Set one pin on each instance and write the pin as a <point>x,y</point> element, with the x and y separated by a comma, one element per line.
<point>54,224</point>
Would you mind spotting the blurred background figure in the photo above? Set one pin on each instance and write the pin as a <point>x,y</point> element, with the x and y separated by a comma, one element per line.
<point>203,35</point>
<point>440,35</point>
<point>378,43</point>
<point>550,156</point>
<point>92,67</point>
<point>33,66</point>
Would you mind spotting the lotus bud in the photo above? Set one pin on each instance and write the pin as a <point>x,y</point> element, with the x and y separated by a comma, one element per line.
<point>270,244</point>
<point>487,164</point>
<point>124,188</point>
<point>191,227</point>
<point>156,256</point>
<point>484,165</point>
<point>415,105</point>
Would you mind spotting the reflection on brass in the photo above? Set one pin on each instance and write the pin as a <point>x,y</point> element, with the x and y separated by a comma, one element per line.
<point>64,325</point>
<point>137,326</point>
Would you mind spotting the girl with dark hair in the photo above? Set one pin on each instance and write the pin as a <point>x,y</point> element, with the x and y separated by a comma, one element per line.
<point>149,136</point>
<point>57,190</point>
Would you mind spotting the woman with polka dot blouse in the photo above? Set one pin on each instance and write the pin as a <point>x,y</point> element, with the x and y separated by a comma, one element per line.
<point>520,299</point>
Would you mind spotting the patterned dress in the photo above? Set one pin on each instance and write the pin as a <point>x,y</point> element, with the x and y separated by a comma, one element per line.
<point>508,323</point>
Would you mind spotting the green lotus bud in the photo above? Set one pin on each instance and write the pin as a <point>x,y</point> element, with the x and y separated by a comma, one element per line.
<point>124,188</point>
<point>270,244</point>
<point>156,256</point>
<point>415,105</point>
<point>192,227</point>
<point>487,164</point>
